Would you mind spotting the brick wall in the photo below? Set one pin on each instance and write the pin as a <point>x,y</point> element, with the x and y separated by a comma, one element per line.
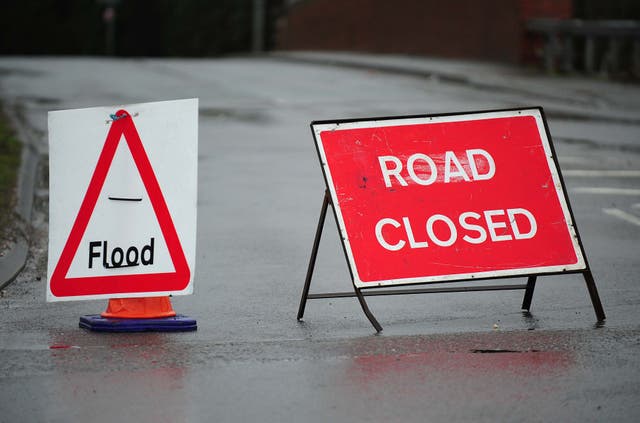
<point>472,29</point>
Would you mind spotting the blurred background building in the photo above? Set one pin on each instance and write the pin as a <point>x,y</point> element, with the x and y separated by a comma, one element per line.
<point>569,35</point>
<point>487,29</point>
<point>583,35</point>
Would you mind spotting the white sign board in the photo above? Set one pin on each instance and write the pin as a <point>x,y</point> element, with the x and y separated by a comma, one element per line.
<point>122,201</point>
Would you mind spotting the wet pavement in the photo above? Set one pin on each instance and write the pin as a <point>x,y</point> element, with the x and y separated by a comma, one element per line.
<point>454,357</point>
<point>496,376</point>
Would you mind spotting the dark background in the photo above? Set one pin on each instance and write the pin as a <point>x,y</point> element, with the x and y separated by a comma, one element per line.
<point>142,27</point>
<point>191,27</point>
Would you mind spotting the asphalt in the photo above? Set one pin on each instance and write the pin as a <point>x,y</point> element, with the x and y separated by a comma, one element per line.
<point>576,102</point>
<point>569,96</point>
<point>441,357</point>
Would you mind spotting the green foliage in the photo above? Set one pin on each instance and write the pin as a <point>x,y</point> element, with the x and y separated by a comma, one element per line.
<point>141,27</point>
<point>50,27</point>
<point>10,149</point>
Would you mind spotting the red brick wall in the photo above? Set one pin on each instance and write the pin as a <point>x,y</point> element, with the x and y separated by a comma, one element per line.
<point>473,29</point>
<point>531,46</point>
<point>546,9</point>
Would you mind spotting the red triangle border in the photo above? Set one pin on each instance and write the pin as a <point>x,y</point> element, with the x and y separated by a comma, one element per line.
<point>61,286</point>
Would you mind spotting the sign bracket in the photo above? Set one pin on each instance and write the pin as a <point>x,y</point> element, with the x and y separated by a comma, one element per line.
<point>593,294</point>
<point>528,293</point>
<point>312,263</point>
<point>314,254</point>
<point>360,293</point>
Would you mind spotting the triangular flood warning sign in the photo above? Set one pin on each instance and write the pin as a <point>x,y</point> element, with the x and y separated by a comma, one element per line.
<point>121,282</point>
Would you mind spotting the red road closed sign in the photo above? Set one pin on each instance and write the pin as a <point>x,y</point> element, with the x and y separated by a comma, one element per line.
<point>448,197</point>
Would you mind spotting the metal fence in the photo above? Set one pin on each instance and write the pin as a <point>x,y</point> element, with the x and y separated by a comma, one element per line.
<point>606,47</point>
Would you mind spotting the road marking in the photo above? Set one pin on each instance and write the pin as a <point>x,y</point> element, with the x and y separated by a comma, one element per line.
<point>573,159</point>
<point>588,173</point>
<point>627,217</point>
<point>606,190</point>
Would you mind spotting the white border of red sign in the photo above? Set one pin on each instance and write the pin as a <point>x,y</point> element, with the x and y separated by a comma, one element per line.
<point>319,127</point>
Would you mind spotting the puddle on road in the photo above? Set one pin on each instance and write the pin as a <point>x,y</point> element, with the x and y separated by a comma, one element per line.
<point>235,114</point>
<point>593,145</point>
<point>484,369</point>
<point>580,117</point>
<point>4,71</point>
<point>44,101</point>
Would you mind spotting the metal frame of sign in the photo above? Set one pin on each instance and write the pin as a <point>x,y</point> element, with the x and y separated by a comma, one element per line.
<point>381,288</point>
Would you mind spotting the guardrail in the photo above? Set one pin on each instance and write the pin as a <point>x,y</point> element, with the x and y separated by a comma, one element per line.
<point>608,47</point>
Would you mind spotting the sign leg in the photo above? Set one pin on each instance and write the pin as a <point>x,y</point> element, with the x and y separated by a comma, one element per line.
<point>367,312</point>
<point>528,293</point>
<point>593,293</point>
<point>314,254</point>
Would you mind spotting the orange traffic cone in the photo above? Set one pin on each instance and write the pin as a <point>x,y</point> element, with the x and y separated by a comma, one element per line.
<point>139,308</point>
<point>138,315</point>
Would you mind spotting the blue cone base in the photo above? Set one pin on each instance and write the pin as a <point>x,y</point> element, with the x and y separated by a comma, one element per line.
<point>178,323</point>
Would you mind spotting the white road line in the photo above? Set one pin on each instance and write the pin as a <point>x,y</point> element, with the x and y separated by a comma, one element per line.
<point>627,217</point>
<point>606,190</point>
<point>588,173</point>
<point>573,159</point>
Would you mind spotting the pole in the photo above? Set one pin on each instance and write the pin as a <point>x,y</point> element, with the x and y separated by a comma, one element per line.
<point>257,44</point>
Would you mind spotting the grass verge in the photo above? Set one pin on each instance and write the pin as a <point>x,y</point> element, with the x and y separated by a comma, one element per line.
<point>10,149</point>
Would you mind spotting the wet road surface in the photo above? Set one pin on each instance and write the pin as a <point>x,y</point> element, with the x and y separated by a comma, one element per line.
<point>454,357</point>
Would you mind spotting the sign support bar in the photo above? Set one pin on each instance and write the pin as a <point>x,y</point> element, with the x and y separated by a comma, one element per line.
<point>312,262</point>
<point>373,292</point>
<point>593,294</point>
<point>528,293</point>
<point>314,254</point>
